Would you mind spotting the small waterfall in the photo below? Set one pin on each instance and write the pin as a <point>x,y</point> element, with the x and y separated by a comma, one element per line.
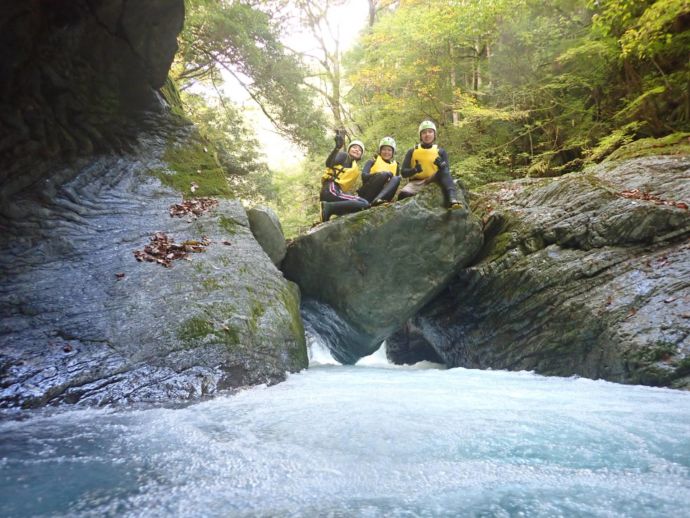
<point>324,325</point>
<point>318,351</point>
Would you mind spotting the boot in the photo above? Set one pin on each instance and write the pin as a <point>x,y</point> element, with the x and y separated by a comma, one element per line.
<point>453,201</point>
<point>325,211</point>
<point>388,191</point>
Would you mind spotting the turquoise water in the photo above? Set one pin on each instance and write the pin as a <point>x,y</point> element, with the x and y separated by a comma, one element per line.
<point>366,440</point>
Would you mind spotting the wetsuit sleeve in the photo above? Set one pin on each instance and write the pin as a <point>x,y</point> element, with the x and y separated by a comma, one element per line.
<point>366,170</point>
<point>336,157</point>
<point>444,156</point>
<point>406,170</point>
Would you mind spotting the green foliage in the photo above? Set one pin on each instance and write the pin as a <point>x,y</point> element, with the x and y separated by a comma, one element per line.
<point>524,87</point>
<point>477,170</point>
<point>297,195</point>
<point>234,145</point>
<point>516,87</point>
<point>619,137</point>
<point>240,39</point>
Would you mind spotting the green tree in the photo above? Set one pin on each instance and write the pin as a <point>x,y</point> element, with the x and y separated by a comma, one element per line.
<point>242,39</point>
<point>524,86</point>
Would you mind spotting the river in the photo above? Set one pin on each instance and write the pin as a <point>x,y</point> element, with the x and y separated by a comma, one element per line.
<point>366,440</point>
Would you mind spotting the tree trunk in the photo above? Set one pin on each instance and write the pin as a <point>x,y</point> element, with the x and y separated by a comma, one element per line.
<point>453,82</point>
<point>477,66</point>
<point>372,12</point>
<point>335,106</point>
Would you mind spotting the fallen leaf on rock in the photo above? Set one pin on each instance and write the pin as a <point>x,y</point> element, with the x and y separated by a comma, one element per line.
<point>685,315</point>
<point>227,243</point>
<point>164,250</point>
<point>193,207</point>
<point>120,275</point>
<point>67,348</point>
<point>632,313</point>
<point>670,299</point>
<point>647,196</point>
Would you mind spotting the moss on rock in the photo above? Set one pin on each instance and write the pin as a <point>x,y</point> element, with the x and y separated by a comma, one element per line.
<point>194,328</point>
<point>194,170</point>
<point>298,352</point>
<point>673,144</point>
<point>228,224</point>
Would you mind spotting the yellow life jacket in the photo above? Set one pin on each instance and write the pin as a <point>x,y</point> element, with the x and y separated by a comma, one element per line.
<point>425,157</point>
<point>346,177</point>
<point>380,165</point>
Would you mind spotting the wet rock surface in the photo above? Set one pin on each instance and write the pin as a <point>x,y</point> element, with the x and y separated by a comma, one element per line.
<point>91,162</point>
<point>377,268</point>
<point>75,78</point>
<point>84,321</point>
<point>574,279</point>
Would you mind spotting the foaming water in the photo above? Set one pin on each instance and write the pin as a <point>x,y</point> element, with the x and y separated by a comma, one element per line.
<point>364,441</point>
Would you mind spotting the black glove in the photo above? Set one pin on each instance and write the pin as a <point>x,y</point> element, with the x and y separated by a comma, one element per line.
<point>440,163</point>
<point>339,139</point>
<point>386,174</point>
<point>418,168</point>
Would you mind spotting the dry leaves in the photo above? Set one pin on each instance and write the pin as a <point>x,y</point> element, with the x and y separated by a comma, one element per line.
<point>195,206</point>
<point>163,250</point>
<point>636,194</point>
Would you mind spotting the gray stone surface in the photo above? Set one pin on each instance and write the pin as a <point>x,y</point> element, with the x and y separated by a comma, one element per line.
<point>574,279</point>
<point>378,267</point>
<point>267,230</point>
<point>75,77</point>
<point>82,321</point>
<point>84,136</point>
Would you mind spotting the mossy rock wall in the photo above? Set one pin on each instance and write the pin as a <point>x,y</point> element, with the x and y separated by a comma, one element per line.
<point>83,321</point>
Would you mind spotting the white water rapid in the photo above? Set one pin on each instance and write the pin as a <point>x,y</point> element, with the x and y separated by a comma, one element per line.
<point>367,440</point>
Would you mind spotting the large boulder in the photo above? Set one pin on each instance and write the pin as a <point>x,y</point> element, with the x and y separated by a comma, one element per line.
<point>268,232</point>
<point>378,267</point>
<point>81,320</point>
<point>588,274</point>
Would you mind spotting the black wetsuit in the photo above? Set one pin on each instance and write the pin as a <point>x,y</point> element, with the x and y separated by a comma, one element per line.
<point>336,201</point>
<point>442,176</point>
<point>378,185</point>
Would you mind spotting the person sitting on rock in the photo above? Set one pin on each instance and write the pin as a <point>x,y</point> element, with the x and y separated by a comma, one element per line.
<point>380,176</point>
<point>426,163</point>
<point>340,180</point>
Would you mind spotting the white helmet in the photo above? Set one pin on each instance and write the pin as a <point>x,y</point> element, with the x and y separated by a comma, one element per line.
<point>427,124</point>
<point>387,141</point>
<point>356,143</point>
